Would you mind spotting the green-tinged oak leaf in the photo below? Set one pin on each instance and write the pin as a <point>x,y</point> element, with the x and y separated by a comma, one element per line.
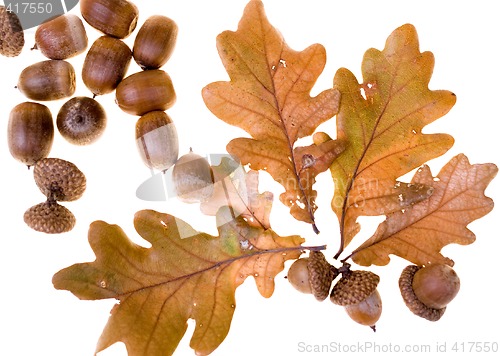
<point>239,189</point>
<point>419,232</point>
<point>268,96</point>
<point>176,279</point>
<point>381,120</point>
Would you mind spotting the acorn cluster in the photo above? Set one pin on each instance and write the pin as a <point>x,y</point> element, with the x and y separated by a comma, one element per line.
<point>355,290</point>
<point>426,290</point>
<point>81,120</point>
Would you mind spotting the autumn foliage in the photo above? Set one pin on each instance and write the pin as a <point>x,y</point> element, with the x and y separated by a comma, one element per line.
<point>379,139</point>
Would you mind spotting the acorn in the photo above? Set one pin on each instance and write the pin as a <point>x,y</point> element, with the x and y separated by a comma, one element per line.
<point>105,64</point>
<point>357,292</point>
<point>312,275</point>
<point>49,217</point>
<point>354,287</point>
<point>117,18</point>
<point>193,178</point>
<point>11,33</point>
<point>62,37</point>
<point>30,132</point>
<point>48,80</point>
<point>81,120</point>
<point>59,180</point>
<point>157,140</point>
<point>368,311</point>
<point>145,91</point>
<point>436,284</point>
<point>155,42</point>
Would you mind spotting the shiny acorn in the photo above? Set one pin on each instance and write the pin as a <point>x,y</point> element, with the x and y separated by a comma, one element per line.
<point>81,120</point>
<point>145,91</point>
<point>30,132</point>
<point>62,37</point>
<point>155,42</point>
<point>48,80</point>
<point>105,64</point>
<point>117,18</point>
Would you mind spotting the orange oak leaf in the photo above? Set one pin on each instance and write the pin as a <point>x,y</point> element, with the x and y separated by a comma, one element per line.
<point>268,96</point>
<point>419,232</point>
<point>239,189</point>
<point>382,120</point>
<point>176,279</point>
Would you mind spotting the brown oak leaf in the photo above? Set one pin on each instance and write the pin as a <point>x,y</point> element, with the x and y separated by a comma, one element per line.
<point>419,232</point>
<point>176,279</point>
<point>382,120</point>
<point>268,96</point>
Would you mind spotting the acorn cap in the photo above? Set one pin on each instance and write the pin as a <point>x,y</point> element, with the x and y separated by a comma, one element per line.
<point>11,33</point>
<point>49,217</point>
<point>321,275</point>
<point>59,180</point>
<point>411,300</point>
<point>354,287</point>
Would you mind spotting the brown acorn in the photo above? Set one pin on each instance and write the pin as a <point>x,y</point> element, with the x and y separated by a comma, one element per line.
<point>11,33</point>
<point>105,64</point>
<point>155,42</point>
<point>81,120</point>
<point>48,80</point>
<point>193,178</point>
<point>62,37</point>
<point>157,140</point>
<point>59,180</point>
<point>298,275</point>
<point>312,275</point>
<point>436,285</point>
<point>145,91</point>
<point>30,132</point>
<point>354,287</point>
<point>49,217</point>
<point>411,300</point>
<point>368,311</point>
<point>117,18</point>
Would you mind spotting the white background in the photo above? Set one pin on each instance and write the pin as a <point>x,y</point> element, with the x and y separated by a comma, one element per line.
<point>36,319</point>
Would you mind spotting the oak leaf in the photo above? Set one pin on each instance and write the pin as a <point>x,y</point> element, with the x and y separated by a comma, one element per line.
<point>239,189</point>
<point>176,279</point>
<point>381,120</point>
<point>268,96</point>
<point>419,232</point>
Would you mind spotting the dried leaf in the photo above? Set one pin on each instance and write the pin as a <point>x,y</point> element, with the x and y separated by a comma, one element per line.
<point>420,232</point>
<point>269,97</point>
<point>382,120</point>
<point>161,287</point>
<point>239,189</point>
